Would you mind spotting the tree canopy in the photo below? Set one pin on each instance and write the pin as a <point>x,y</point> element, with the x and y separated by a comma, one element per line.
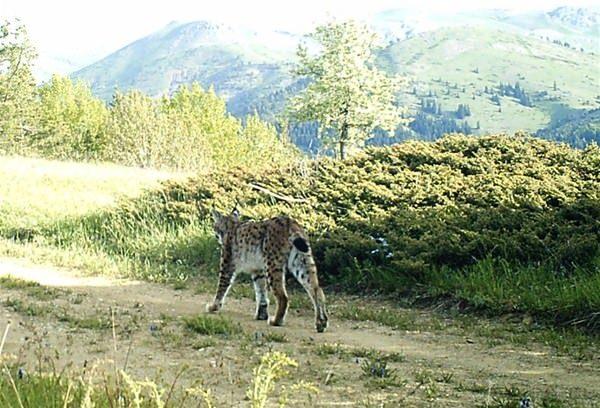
<point>347,95</point>
<point>17,86</point>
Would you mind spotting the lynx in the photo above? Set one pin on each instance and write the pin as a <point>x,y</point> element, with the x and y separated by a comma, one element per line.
<point>267,250</point>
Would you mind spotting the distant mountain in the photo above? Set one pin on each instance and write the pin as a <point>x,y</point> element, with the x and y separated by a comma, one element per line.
<point>577,19</point>
<point>454,60</point>
<point>235,61</point>
<point>579,27</point>
<point>465,65</point>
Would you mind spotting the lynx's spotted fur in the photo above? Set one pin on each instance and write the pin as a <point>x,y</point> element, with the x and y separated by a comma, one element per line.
<point>267,250</point>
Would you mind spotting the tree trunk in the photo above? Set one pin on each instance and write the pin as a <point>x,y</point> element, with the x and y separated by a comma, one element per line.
<point>343,138</point>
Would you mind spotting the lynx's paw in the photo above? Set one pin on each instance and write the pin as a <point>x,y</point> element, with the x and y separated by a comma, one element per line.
<point>212,308</point>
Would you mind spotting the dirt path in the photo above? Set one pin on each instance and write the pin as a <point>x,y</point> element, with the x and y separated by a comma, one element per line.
<point>436,364</point>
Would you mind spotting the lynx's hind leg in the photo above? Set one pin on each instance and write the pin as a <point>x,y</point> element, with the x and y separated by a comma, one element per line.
<point>259,280</point>
<point>277,282</point>
<point>302,265</point>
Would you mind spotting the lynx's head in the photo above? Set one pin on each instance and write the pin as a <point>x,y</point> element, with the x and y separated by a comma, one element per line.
<point>224,224</point>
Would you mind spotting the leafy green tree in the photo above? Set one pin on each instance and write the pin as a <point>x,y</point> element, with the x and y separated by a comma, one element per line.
<point>347,95</point>
<point>136,132</point>
<point>17,87</point>
<point>71,120</point>
<point>262,147</point>
<point>207,133</point>
<point>191,130</point>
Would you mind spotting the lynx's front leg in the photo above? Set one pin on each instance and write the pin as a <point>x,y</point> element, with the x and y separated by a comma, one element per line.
<point>226,279</point>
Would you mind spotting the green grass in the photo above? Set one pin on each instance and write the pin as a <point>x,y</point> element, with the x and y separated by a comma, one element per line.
<point>274,337</point>
<point>478,321</point>
<point>105,387</point>
<point>36,192</point>
<point>74,215</point>
<point>36,390</point>
<point>26,308</point>
<point>382,315</point>
<point>207,325</point>
<point>500,287</point>
<point>31,288</point>
<point>339,350</point>
<point>9,282</point>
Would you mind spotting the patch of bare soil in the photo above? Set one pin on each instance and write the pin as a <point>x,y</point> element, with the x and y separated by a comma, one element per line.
<point>442,366</point>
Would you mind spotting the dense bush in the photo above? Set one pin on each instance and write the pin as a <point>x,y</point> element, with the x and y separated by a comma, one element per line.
<point>451,202</point>
<point>391,217</point>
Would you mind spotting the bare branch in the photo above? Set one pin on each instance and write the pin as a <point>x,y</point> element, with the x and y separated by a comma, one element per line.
<point>277,196</point>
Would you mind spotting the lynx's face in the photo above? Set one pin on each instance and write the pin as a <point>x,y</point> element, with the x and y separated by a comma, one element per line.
<point>223,224</point>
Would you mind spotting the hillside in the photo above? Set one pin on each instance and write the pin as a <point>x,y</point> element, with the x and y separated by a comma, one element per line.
<point>235,61</point>
<point>455,65</point>
<point>577,129</point>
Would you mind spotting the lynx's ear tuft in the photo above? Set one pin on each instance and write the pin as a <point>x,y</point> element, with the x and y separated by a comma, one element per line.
<point>235,214</point>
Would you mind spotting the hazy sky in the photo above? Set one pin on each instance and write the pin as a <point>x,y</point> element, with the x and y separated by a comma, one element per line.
<point>71,28</point>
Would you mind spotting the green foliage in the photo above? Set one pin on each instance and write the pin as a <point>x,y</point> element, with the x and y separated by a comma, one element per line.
<point>17,87</point>
<point>578,129</point>
<point>205,128</point>
<point>138,134</point>
<point>71,121</point>
<point>191,130</point>
<point>539,290</point>
<point>348,96</point>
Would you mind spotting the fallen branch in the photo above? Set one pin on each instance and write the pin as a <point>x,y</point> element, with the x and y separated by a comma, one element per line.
<point>277,196</point>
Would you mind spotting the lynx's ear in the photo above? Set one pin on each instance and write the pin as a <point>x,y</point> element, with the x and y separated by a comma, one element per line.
<point>217,216</point>
<point>235,214</point>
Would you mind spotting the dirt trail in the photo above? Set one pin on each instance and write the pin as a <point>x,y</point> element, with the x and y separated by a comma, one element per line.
<point>148,320</point>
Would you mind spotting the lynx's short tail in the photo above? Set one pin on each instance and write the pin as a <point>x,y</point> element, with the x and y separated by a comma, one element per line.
<point>298,239</point>
<point>300,243</point>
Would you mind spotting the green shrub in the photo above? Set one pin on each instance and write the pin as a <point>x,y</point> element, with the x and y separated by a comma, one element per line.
<point>418,204</point>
